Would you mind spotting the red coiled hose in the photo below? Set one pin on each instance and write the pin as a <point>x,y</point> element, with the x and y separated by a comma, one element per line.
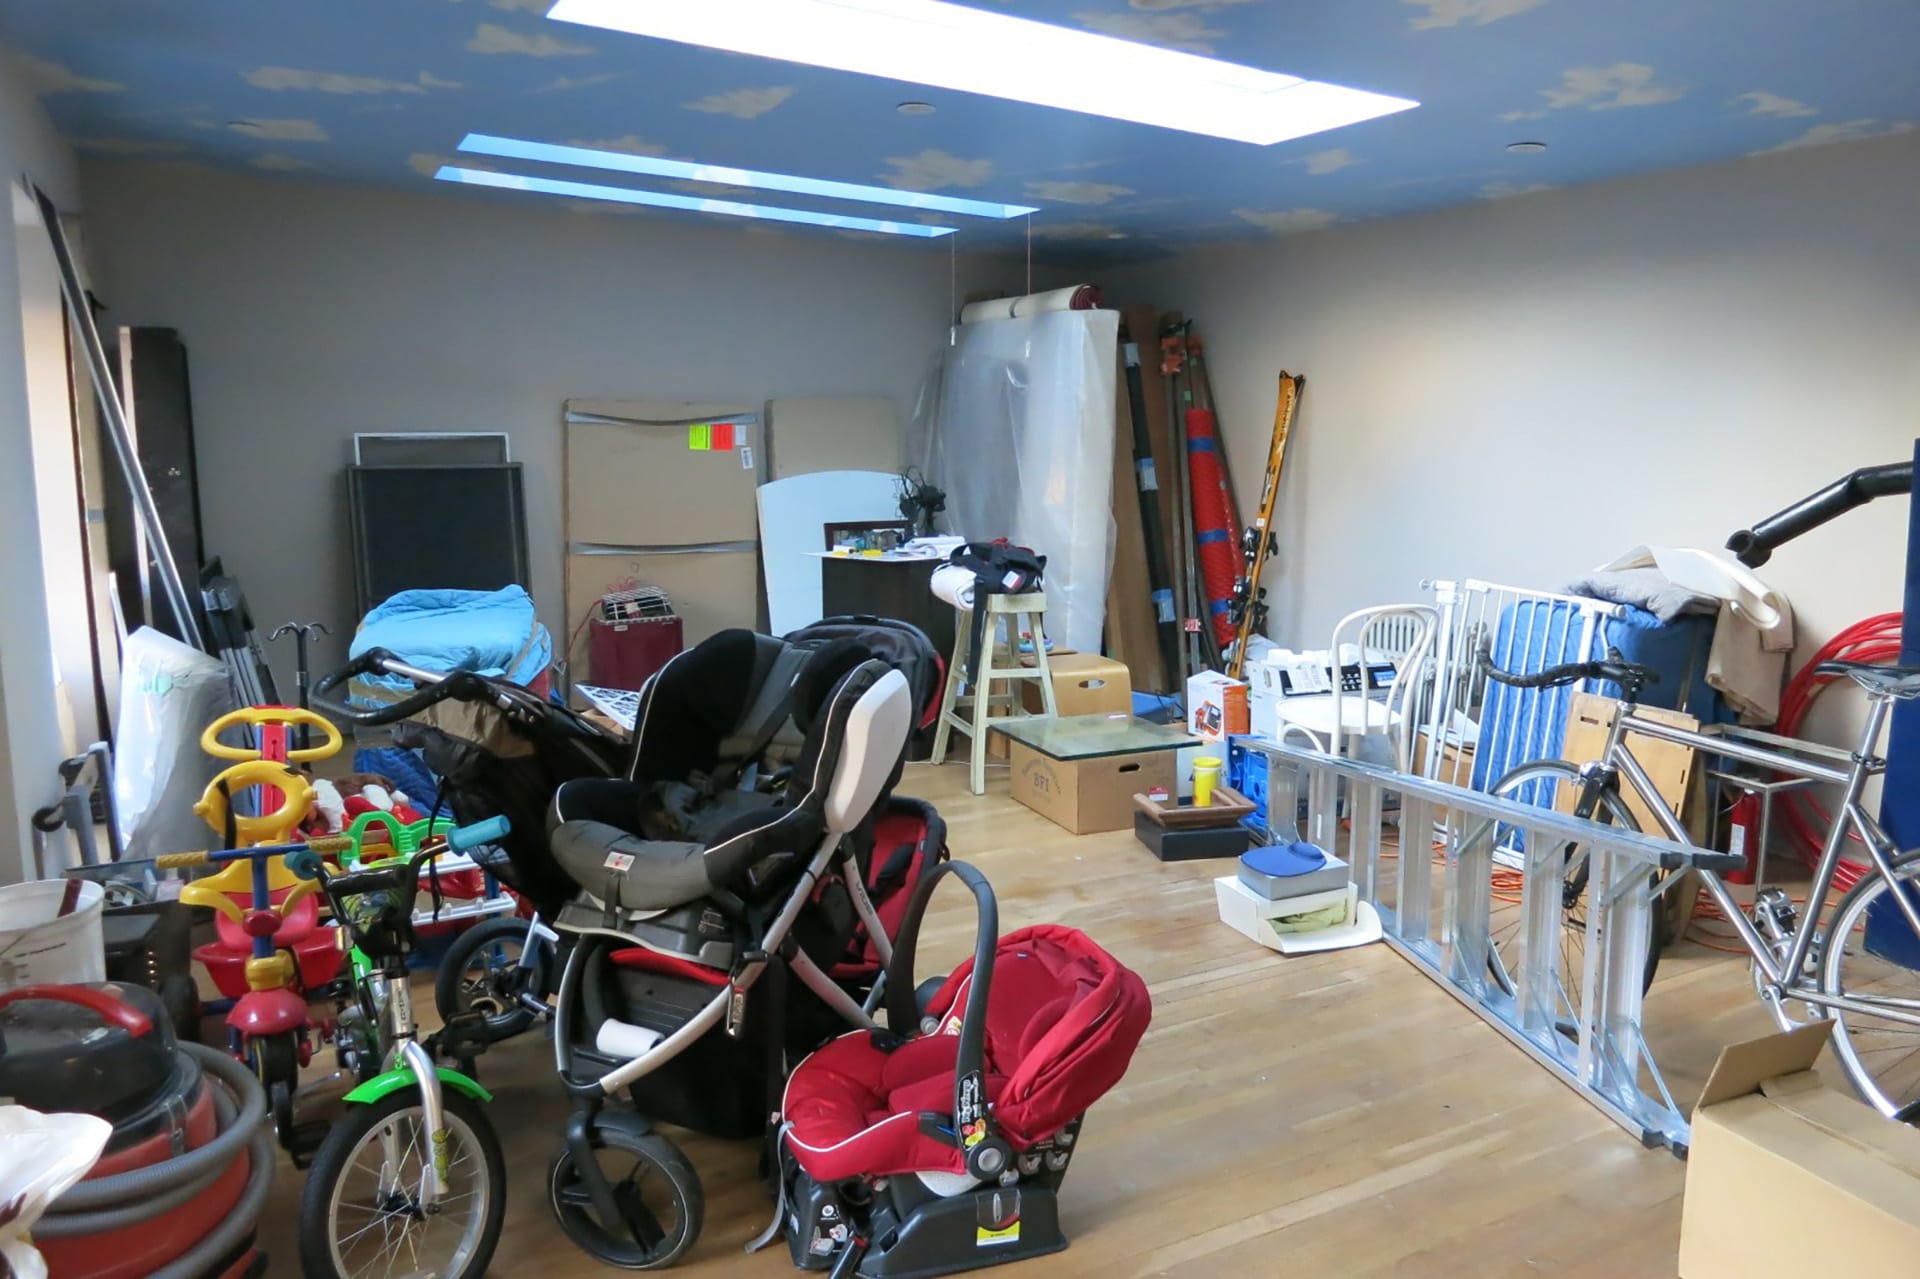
<point>1875,640</point>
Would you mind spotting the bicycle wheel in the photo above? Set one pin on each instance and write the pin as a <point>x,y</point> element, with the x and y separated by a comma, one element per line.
<point>661,1203</point>
<point>1880,1053</point>
<point>481,973</point>
<point>1534,784</point>
<point>360,1210</point>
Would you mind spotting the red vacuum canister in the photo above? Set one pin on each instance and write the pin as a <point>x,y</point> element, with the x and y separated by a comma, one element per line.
<point>108,1049</point>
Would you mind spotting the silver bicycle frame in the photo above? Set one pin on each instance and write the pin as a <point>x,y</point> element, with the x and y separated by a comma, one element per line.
<point>1788,976</point>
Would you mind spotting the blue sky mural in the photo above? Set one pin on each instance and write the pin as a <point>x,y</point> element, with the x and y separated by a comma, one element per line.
<point>382,91</point>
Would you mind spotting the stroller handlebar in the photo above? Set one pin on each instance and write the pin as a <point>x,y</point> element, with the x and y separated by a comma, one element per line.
<point>438,687</point>
<point>986,1154</point>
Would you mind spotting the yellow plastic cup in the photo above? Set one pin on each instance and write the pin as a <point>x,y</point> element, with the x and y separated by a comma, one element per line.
<point>1206,776</point>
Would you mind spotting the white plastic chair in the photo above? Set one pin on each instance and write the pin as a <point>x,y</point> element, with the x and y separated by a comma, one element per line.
<point>1400,633</point>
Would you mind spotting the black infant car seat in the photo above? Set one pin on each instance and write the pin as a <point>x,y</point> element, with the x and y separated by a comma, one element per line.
<point>735,744</point>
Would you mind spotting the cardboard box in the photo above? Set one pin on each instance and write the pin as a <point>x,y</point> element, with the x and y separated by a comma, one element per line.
<point>1216,706</point>
<point>1087,795</point>
<point>1789,1179</point>
<point>1455,765</point>
<point>1083,684</point>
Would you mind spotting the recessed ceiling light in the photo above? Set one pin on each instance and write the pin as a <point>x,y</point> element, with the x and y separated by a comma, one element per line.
<point>951,46</point>
<point>915,108</point>
<point>1526,148</point>
<point>719,175</point>
<point>690,203</point>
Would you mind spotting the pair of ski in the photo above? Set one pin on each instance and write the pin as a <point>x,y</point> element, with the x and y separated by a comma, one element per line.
<point>1208,601</point>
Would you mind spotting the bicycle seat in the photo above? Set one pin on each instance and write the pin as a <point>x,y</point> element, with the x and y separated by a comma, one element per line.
<point>1902,682</point>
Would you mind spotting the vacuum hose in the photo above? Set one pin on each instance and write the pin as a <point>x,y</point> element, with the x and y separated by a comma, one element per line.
<point>114,1203</point>
<point>1755,546</point>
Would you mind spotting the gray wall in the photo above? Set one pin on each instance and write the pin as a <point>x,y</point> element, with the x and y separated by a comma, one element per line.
<point>30,744</point>
<point>311,312</point>
<point>1523,389</point>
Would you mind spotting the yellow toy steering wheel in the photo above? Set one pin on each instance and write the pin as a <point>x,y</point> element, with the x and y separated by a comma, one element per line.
<point>268,828</point>
<point>257,716</point>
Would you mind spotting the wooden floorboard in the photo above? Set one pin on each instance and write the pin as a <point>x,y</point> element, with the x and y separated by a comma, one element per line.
<point>1333,1114</point>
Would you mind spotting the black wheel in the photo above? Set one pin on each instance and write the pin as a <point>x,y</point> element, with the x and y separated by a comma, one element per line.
<point>658,1192</point>
<point>1535,784</point>
<point>276,1064</point>
<point>1877,1038</point>
<point>181,998</point>
<point>481,973</point>
<point>360,1210</point>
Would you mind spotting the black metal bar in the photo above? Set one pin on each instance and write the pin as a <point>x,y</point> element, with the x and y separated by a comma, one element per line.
<point>1755,546</point>
<point>1159,579</point>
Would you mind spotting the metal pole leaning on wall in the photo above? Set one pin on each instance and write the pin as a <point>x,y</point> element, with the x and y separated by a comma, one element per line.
<point>1598,1048</point>
<point>107,395</point>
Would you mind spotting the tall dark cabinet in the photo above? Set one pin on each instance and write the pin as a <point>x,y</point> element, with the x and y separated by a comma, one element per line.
<point>152,373</point>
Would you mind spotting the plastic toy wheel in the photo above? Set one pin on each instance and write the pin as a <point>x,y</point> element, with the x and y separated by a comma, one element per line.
<point>360,1211</point>
<point>276,1064</point>
<point>658,1192</point>
<point>481,973</point>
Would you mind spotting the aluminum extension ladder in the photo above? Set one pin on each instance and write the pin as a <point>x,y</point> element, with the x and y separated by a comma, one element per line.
<point>1598,1049</point>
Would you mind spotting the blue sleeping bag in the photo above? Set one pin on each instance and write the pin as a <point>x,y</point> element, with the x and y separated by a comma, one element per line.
<point>488,632</point>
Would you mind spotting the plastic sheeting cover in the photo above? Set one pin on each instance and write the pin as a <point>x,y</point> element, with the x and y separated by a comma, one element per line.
<point>1016,421</point>
<point>169,693</point>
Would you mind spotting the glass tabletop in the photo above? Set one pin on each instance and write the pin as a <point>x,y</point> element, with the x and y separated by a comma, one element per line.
<point>1091,736</point>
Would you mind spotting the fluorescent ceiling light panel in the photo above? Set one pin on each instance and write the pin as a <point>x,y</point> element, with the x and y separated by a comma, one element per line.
<point>718,175</point>
<point>690,203</point>
<point>952,46</point>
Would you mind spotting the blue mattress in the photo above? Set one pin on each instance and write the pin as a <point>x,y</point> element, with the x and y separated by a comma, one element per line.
<point>1519,725</point>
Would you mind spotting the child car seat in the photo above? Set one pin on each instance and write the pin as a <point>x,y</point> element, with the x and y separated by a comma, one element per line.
<point>943,1151</point>
<point>736,745</point>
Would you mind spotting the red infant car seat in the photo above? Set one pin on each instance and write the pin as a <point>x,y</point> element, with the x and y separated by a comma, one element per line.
<point>942,1151</point>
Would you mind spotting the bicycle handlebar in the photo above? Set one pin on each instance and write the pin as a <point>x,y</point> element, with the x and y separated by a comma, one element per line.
<point>1630,676</point>
<point>1755,546</point>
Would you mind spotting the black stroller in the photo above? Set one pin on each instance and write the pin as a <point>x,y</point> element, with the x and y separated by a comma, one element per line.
<point>496,747</point>
<point>716,906</point>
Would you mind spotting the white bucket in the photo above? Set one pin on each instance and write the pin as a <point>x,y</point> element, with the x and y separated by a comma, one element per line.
<point>38,944</point>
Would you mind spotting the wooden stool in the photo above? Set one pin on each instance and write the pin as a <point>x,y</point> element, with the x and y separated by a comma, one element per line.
<point>976,719</point>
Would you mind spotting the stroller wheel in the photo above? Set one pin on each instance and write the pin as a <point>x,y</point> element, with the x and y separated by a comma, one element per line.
<point>658,1193</point>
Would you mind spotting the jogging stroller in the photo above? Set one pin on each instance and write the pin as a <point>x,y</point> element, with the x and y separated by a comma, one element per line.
<point>497,747</point>
<point>944,1151</point>
<point>700,897</point>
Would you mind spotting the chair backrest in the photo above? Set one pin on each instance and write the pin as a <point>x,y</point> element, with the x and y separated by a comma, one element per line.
<point>1402,634</point>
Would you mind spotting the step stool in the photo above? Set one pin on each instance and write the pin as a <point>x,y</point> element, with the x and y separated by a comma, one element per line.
<point>971,711</point>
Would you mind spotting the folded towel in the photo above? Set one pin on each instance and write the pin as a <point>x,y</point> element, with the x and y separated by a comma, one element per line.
<point>1646,588</point>
<point>1751,637</point>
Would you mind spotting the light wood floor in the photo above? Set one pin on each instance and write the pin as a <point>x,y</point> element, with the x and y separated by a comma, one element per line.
<point>1334,1114</point>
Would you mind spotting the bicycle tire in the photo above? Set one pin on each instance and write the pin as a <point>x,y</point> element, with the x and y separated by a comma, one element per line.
<point>1850,1038</point>
<point>1573,912</point>
<point>452,993</point>
<point>466,1120</point>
